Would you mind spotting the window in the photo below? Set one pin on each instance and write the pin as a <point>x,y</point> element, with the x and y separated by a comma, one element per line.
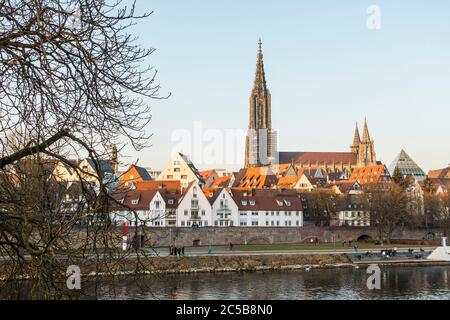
<point>255,213</point>
<point>254,223</point>
<point>134,201</point>
<point>206,223</point>
<point>286,223</point>
<point>242,213</point>
<point>267,213</point>
<point>243,223</point>
<point>252,202</point>
<point>169,176</point>
<point>267,223</point>
<point>171,201</point>
<point>186,212</point>
<point>280,203</point>
<point>278,213</point>
<point>272,213</point>
<point>183,223</point>
<point>297,223</point>
<point>176,170</point>
<point>288,203</point>
<point>184,177</point>
<point>244,202</point>
<point>272,223</point>
<point>203,213</point>
<point>157,205</point>
<point>297,213</point>
<point>278,223</point>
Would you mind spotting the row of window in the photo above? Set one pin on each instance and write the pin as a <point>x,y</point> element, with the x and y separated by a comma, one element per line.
<point>270,223</point>
<point>272,213</point>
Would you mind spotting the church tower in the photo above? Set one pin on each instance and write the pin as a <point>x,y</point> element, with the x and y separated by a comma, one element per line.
<point>366,150</point>
<point>261,140</point>
<point>354,148</point>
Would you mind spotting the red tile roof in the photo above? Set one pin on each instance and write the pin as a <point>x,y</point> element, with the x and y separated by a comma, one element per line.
<point>370,174</point>
<point>271,201</point>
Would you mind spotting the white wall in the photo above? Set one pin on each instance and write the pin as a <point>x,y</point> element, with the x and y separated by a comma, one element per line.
<point>268,218</point>
<point>233,217</point>
<point>185,209</point>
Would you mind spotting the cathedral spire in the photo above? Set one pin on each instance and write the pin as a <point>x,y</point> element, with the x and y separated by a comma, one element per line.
<point>260,85</point>
<point>357,138</point>
<point>366,136</point>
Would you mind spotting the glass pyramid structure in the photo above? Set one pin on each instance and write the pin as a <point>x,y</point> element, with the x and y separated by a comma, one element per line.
<point>407,167</point>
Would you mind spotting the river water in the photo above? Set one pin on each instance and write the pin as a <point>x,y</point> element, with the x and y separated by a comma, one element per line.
<point>396,283</point>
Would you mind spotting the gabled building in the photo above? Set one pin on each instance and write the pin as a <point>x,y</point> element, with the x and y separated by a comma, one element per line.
<point>440,176</point>
<point>346,187</point>
<point>194,209</point>
<point>182,169</point>
<point>208,177</point>
<point>134,174</point>
<point>225,211</point>
<point>284,170</point>
<point>151,208</point>
<point>407,166</point>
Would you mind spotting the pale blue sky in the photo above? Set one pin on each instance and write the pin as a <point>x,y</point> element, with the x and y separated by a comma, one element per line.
<point>324,68</point>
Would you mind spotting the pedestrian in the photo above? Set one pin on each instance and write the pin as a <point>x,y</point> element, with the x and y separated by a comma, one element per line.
<point>182,251</point>
<point>179,252</point>
<point>231,246</point>
<point>171,250</point>
<point>356,248</point>
<point>343,243</point>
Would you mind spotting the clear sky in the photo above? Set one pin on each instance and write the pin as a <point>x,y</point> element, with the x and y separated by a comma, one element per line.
<point>325,69</point>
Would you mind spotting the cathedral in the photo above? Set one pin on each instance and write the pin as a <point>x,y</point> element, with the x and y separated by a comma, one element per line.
<point>261,140</point>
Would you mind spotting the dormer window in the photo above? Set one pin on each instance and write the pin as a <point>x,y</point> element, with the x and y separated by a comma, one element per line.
<point>244,202</point>
<point>171,201</point>
<point>134,201</point>
<point>252,202</point>
<point>288,203</point>
<point>280,203</point>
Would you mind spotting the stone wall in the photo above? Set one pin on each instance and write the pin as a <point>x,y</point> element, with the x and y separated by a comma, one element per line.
<point>266,235</point>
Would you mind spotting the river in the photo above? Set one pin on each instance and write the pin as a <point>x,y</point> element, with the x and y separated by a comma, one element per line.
<point>427,282</point>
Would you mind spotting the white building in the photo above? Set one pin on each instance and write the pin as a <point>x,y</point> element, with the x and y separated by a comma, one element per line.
<point>182,169</point>
<point>225,212</point>
<point>194,209</point>
<point>353,212</point>
<point>151,208</point>
<point>268,209</point>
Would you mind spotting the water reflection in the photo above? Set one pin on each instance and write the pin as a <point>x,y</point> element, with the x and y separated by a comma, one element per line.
<point>397,283</point>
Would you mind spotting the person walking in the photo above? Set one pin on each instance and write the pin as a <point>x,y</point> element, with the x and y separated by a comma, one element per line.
<point>182,251</point>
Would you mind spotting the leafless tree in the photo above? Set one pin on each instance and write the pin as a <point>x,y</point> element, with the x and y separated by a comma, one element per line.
<point>74,82</point>
<point>388,207</point>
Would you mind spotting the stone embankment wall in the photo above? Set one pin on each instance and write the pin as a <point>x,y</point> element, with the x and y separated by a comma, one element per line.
<point>164,237</point>
<point>238,235</point>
